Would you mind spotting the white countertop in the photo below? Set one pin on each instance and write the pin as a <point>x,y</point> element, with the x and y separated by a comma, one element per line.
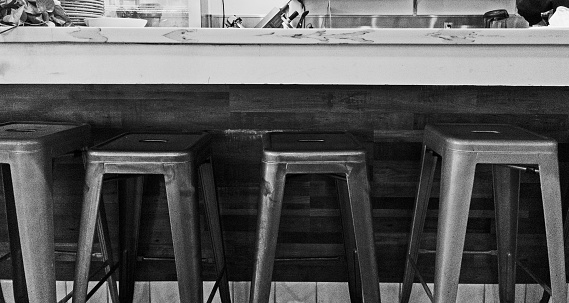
<point>86,55</point>
<point>287,36</point>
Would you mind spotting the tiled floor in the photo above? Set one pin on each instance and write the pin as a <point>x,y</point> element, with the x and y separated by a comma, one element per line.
<point>298,292</point>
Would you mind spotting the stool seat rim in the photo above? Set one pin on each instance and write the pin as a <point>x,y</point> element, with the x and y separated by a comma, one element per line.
<point>270,156</point>
<point>139,157</point>
<point>52,141</point>
<point>105,152</point>
<point>489,138</point>
<point>321,141</point>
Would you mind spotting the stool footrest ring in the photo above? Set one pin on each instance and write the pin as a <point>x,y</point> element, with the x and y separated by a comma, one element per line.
<point>466,252</point>
<point>527,169</point>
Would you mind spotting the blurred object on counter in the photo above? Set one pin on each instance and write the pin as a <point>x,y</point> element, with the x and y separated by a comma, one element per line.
<point>33,12</point>
<point>274,19</point>
<point>517,21</point>
<point>78,10</point>
<point>12,12</point>
<point>235,22</point>
<point>114,22</point>
<point>532,10</point>
<point>152,12</point>
<point>156,14</point>
<point>496,18</point>
<point>126,13</point>
<point>287,20</point>
<point>559,17</point>
<point>545,17</point>
<point>329,14</point>
<point>44,5</point>
<point>60,17</point>
<point>300,23</point>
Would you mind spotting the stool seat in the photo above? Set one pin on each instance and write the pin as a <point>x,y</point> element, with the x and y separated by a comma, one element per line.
<point>485,138</point>
<point>152,147</point>
<point>461,147</point>
<point>336,153</point>
<point>53,138</point>
<point>180,158</point>
<point>312,147</point>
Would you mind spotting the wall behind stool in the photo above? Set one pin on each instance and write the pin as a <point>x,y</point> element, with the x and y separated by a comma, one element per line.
<point>388,119</point>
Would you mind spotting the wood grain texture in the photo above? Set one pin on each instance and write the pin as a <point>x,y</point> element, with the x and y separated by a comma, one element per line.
<point>388,120</point>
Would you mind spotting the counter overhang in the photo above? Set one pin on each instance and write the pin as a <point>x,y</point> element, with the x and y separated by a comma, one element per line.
<point>82,55</point>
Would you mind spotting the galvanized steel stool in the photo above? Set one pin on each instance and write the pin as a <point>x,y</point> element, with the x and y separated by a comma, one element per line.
<point>317,153</point>
<point>461,147</point>
<point>26,152</point>
<point>178,157</point>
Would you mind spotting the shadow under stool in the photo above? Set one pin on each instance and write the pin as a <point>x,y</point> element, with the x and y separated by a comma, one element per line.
<point>509,149</point>
<point>182,159</point>
<point>317,153</point>
<point>27,150</point>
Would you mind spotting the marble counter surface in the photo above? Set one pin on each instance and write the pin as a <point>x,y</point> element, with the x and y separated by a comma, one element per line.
<point>282,36</point>
<point>82,55</point>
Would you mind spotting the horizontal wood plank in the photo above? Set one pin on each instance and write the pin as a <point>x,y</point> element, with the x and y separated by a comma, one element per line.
<point>389,120</point>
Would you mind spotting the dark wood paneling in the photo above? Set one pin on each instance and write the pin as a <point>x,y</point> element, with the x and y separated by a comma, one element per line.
<point>388,119</point>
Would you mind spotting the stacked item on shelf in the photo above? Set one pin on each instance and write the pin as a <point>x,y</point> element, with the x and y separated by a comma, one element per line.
<point>78,10</point>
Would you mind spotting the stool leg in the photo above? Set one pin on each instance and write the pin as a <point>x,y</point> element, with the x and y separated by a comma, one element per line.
<point>428,165</point>
<point>213,219</point>
<point>358,188</point>
<point>31,176</point>
<point>130,203</point>
<point>456,190</point>
<point>184,221</point>
<point>89,214</point>
<point>107,252</point>
<point>551,196</point>
<point>506,200</point>
<point>354,283</point>
<point>18,276</point>
<point>268,219</point>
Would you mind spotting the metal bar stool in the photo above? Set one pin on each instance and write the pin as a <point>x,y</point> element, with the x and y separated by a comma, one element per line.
<point>178,157</point>
<point>461,147</point>
<point>26,153</point>
<point>317,153</point>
